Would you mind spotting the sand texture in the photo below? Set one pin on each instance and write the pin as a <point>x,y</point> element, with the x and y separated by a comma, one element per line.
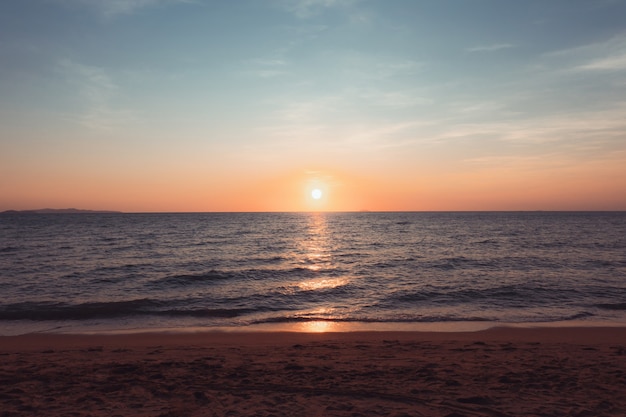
<point>501,372</point>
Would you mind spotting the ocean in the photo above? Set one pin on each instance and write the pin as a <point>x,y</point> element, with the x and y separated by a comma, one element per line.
<point>115,272</point>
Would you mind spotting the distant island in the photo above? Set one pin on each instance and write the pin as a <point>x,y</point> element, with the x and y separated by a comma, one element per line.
<point>57,211</point>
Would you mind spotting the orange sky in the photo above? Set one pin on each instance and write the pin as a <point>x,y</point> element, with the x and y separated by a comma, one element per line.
<point>494,189</point>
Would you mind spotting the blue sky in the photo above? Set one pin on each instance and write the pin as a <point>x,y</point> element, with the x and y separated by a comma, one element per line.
<point>475,104</point>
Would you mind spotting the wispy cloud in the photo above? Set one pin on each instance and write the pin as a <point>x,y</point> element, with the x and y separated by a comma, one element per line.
<point>490,48</point>
<point>96,91</point>
<point>309,8</point>
<point>270,62</point>
<point>266,68</point>
<point>601,130</point>
<point>608,55</point>
<point>363,67</point>
<point>112,8</point>
<point>399,67</point>
<point>612,63</point>
<point>603,56</point>
<point>328,124</point>
<point>393,99</point>
<point>309,111</point>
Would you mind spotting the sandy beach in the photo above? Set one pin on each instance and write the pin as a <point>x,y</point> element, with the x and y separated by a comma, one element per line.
<point>497,372</point>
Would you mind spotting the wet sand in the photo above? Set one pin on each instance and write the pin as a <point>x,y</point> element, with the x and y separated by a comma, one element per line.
<point>497,372</point>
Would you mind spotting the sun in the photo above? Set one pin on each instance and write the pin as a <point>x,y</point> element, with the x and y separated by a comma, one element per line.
<point>316,194</point>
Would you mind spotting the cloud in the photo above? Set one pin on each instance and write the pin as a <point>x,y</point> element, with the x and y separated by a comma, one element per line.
<point>266,68</point>
<point>331,124</point>
<point>267,73</point>
<point>362,67</point>
<point>309,111</point>
<point>612,63</point>
<point>600,129</point>
<point>95,91</point>
<point>608,55</point>
<point>490,48</point>
<point>603,56</point>
<point>394,68</point>
<point>112,8</point>
<point>308,8</point>
<point>269,62</point>
<point>393,99</point>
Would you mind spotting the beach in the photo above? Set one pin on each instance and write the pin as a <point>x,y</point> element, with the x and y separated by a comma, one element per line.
<point>575,371</point>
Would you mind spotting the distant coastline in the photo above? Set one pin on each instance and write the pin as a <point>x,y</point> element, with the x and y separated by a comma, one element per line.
<point>58,211</point>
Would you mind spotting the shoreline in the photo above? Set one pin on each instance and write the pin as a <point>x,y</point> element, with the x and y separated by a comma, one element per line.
<point>502,371</point>
<point>584,335</point>
<point>316,326</point>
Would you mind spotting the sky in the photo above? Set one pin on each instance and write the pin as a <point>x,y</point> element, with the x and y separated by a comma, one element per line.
<point>250,105</point>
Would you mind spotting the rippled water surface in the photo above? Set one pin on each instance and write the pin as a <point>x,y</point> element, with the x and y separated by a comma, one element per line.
<point>71,272</point>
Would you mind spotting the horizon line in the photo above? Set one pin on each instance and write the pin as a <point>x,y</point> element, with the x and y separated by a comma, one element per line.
<point>95,211</point>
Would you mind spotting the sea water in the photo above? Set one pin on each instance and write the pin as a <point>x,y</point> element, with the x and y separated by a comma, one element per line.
<point>121,272</point>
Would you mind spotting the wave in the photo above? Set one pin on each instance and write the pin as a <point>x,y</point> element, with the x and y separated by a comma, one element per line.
<point>417,319</point>
<point>578,316</point>
<point>508,293</point>
<point>8,249</point>
<point>462,262</point>
<point>263,260</point>
<point>253,274</point>
<point>188,279</point>
<point>64,311</point>
<point>611,306</point>
<point>48,311</point>
<point>207,312</point>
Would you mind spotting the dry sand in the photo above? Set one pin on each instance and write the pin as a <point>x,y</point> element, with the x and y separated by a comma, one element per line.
<point>498,372</point>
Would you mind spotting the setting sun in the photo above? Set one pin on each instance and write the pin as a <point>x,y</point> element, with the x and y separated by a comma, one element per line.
<point>316,194</point>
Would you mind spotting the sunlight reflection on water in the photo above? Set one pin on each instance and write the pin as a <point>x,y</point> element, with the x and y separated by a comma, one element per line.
<point>315,245</point>
<point>322,284</point>
<point>317,327</point>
